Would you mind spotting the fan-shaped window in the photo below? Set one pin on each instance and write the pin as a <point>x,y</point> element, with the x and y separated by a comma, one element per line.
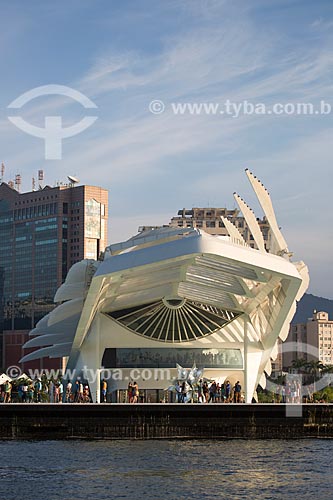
<point>174,319</point>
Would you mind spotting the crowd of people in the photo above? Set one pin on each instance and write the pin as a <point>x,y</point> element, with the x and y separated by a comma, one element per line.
<point>292,391</point>
<point>213,392</point>
<point>203,391</point>
<point>44,391</point>
<point>58,391</point>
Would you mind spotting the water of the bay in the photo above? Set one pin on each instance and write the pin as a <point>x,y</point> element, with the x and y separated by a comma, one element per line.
<point>158,470</point>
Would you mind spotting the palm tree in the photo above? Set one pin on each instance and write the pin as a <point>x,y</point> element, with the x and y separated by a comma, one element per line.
<point>327,369</point>
<point>299,364</point>
<point>314,367</point>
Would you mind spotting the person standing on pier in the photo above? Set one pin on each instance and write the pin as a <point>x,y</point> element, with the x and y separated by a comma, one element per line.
<point>135,392</point>
<point>212,392</point>
<point>178,388</point>
<point>81,398</point>
<point>51,391</point>
<point>8,392</point>
<point>130,392</point>
<point>201,396</point>
<point>24,392</point>
<point>237,392</point>
<point>68,392</point>
<point>61,391</point>
<point>227,391</point>
<point>76,391</point>
<point>205,391</point>
<point>37,390</point>
<point>56,393</point>
<point>223,396</point>
<point>104,390</point>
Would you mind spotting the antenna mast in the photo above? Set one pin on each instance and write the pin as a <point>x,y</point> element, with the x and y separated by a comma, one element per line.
<point>18,182</point>
<point>40,178</point>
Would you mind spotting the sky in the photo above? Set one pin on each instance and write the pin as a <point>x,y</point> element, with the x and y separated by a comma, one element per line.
<point>123,55</point>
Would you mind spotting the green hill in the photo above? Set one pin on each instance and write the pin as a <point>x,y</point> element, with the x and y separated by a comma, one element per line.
<point>308,303</point>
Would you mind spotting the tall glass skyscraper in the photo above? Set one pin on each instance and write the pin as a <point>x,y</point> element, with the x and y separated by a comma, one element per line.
<point>42,234</point>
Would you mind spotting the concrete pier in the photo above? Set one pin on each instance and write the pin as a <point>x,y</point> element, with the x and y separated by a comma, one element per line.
<point>165,421</point>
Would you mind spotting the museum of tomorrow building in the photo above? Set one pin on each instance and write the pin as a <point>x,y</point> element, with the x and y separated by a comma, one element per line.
<point>178,296</point>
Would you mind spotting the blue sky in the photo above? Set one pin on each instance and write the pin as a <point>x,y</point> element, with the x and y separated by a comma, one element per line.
<point>124,54</point>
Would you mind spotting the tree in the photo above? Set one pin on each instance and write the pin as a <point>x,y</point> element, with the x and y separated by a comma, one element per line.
<point>300,364</point>
<point>314,367</point>
<point>327,369</point>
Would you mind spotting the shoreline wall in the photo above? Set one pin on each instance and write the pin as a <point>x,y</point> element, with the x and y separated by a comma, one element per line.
<point>165,421</point>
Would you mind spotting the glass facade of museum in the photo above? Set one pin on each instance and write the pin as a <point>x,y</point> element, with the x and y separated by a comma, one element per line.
<point>166,358</point>
<point>170,357</point>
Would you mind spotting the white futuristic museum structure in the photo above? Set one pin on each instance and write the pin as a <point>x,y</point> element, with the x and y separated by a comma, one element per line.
<point>178,296</point>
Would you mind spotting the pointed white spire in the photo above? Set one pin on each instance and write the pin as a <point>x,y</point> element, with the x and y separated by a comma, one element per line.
<point>251,222</point>
<point>279,245</point>
<point>233,231</point>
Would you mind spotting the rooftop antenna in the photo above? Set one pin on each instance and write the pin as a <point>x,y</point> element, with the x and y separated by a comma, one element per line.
<point>72,180</point>
<point>2,171</point>
<point>33,184</point>
<point>40,178</point>
<point>18,182</point>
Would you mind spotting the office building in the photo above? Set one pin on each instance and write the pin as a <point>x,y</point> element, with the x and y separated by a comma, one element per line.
<point>42,234</point>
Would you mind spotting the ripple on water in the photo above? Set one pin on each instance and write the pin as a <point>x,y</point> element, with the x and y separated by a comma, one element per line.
<point>163,470</point>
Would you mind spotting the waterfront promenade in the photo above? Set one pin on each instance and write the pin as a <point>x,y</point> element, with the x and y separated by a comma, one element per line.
<point>165,421</point>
